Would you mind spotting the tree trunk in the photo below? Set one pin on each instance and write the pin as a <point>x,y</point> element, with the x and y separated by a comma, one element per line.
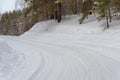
<point>56,17</point>
<point>107,19</point>
<point>75,6</point>
<point>59,12</point>
<point>46,15</point>
<point>110,17</point>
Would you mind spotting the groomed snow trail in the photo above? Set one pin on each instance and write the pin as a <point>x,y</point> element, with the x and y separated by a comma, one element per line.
<point>69,51</point>
<point>66,57</point>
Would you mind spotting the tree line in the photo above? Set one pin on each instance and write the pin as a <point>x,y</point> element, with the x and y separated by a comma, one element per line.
<point>14,23</point>
<point>39,10</point>
<point>104,9</point>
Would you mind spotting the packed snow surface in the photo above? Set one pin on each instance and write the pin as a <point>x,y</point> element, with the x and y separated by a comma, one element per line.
<point>62,51</point>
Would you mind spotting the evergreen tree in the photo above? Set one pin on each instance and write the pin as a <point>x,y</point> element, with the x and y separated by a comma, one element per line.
<point>103,10</point>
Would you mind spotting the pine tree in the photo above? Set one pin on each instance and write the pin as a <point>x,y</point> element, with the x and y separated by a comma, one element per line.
<point>102,9</point>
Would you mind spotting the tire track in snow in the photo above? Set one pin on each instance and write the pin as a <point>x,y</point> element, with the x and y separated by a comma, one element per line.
<point>89,57</point>
<point>41,66</point>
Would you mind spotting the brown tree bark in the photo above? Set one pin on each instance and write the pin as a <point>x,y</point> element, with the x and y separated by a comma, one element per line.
<point>107,18</point>
<point>59,12</point>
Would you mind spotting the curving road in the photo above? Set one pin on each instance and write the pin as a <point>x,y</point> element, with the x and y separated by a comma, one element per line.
<point>69,57</point>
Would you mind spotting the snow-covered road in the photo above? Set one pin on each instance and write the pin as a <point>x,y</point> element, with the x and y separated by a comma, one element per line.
<point>68,58</point>
<point>64,52</point>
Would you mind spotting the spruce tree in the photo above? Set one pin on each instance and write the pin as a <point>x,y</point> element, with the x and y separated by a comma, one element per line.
<point>102,9</point>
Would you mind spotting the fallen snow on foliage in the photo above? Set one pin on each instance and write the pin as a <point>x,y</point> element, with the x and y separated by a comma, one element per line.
<point>63,51</point>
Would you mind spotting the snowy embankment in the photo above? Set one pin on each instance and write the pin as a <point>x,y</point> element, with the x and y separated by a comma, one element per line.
<point>62,51</point>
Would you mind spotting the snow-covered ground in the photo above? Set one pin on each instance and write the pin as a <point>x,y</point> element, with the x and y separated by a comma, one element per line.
<point>62,51</point>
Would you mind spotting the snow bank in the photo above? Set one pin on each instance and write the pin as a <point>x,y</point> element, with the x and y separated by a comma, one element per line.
<point>69,24</point>
<point>10,61</point>
<point>41,27</point>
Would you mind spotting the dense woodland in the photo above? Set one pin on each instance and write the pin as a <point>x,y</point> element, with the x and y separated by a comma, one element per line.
<point>17,22</point>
